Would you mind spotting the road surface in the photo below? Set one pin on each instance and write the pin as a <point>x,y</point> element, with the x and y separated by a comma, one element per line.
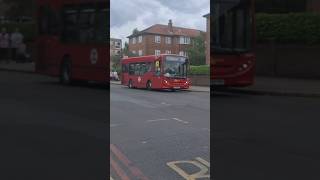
<point>159,135</point>
<point>49,131</point>
<point>265,137</point>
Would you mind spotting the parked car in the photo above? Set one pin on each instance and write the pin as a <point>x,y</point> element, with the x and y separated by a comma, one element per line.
<point>114,76</point>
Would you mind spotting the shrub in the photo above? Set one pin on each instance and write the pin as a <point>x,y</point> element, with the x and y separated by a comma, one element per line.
<point>289,28</point>
<point>199,70</point>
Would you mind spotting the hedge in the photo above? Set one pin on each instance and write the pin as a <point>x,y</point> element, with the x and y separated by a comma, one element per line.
<point>289,28</point>
<point>27,29</point>
<point>199,70</point>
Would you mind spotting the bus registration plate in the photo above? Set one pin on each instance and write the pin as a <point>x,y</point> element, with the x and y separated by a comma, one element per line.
<point>217,82</point>
<point>176,87</point>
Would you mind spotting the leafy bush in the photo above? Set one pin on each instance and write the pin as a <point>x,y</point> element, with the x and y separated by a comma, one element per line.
<point>27,29</point>
<point>289,28</point>
<point>199,70</point>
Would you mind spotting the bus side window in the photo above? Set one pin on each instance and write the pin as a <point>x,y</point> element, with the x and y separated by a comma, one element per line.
<point>124,68</point>
<point>137,69</point>
<point>131,69</point>
<point>148,67</point>
<point>143,68</point>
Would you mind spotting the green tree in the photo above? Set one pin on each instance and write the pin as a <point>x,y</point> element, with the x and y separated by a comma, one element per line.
<point>116,63</point>
<point>196,52</point>
<point>126,52</point>
<point>135,31</point>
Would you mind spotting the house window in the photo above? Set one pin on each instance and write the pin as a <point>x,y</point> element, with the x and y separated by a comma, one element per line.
<point>168,51</point>
<point>183,53</point>
<point>157,39</point>
<point>140,39</point>
<point>140,52</point>
<point>184,40</point>
<point>134,52</point>
<point>168,40</point>
<point>157,52</point>
<point>134,40</point>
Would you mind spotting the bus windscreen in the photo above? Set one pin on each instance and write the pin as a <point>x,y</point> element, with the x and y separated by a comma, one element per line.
<point>175,66</point>
<point>232,26</point>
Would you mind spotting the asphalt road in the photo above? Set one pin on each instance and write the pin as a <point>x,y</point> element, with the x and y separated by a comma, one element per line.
<point>265,137</point>
<point>159,135</point>
<point>49,131</point>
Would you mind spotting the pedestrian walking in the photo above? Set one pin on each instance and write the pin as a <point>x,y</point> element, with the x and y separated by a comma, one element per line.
<point>16,42</point>
<point>4,45</point>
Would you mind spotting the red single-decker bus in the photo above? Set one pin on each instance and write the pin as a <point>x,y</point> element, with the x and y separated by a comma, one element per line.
<point>165,71</point>
<point>73,40</point>
<point>232,43</point>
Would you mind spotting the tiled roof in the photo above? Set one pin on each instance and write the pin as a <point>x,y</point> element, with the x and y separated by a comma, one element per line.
<point>165,30</point>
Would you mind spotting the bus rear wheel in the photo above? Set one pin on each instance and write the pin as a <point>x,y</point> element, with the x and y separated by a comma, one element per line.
<point>130,85</point>
<point>65,73</point>
<point>149,85</point>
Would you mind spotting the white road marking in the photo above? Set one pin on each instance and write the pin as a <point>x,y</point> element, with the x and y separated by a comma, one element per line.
<point>155,120</point>
<point>165,119</point>
<point>179,120</point>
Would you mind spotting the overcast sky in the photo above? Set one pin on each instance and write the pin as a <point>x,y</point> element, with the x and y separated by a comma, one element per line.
<point>129,14</point>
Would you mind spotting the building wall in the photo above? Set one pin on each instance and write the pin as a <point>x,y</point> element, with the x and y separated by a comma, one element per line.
<point>148,45</point>
<point>313,5</point>
<point>113,47</point>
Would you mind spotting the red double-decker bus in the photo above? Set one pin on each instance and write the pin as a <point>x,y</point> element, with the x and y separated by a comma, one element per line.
<point>165,71</point>
<point>73,39</point>
<point>232,43</point>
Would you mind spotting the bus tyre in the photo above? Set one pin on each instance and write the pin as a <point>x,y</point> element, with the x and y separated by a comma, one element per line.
<point>65,73</point>
<point>130,84</point>
<point>149,85</point>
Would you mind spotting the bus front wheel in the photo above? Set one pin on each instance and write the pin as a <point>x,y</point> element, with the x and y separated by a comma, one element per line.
<point>149,85</point>
<point>65,73</point>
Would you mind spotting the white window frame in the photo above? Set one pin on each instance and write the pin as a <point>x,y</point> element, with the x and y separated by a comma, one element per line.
<point>140,52</point>
<point>184,40</point>
<point>168,40</point>
<point>134,40</point>
<point>157,39</point>
<point>157,52</point>
<point>140,39</point>
<point>168,51</point>
<point>134,52</point>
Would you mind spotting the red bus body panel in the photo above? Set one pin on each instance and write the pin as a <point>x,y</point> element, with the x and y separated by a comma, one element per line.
<point>51,51</point>
<point>158,82</point>
<point>225,68</point>
<point>230,71</point>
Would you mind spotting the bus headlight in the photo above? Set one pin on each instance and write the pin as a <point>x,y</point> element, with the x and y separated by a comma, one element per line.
<point>165,81</point>
<point>245,66</point>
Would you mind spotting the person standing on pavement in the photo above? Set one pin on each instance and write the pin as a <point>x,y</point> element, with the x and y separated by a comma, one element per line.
<point>16,42</point>
<point>4,44</point>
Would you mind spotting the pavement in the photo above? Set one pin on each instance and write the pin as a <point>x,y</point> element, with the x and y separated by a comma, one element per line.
<point>159,135</point>
<point>28,67</point>
<point>265,137</point>
<point>277,86</point>
<point>50,131</point>
<point>192,88</point>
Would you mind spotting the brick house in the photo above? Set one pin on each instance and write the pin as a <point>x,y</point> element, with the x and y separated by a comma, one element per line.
<point>162,39</point>
<point>115,46</point>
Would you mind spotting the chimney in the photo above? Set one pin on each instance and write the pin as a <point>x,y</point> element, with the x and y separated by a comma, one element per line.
<point>170,25</point>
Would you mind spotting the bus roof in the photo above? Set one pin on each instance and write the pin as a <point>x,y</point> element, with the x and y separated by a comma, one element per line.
<point>146,58</point>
